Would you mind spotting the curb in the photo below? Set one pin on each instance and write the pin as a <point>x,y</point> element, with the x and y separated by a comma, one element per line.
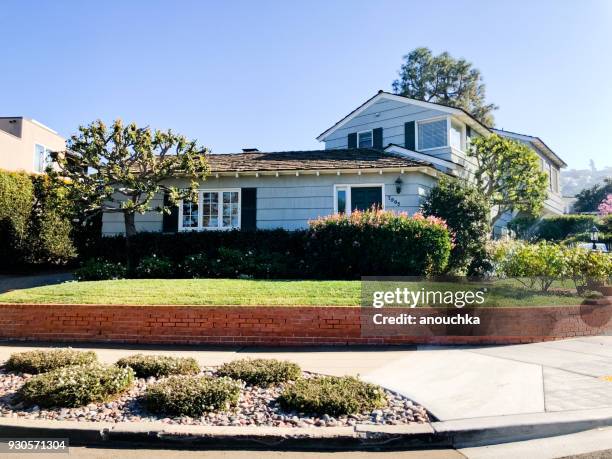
<point>456,434</point>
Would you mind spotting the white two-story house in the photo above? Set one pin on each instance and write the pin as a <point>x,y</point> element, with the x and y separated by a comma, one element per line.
<point>388,152</point>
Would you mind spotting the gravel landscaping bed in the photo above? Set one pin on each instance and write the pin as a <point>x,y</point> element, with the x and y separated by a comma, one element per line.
<point>257,406</point>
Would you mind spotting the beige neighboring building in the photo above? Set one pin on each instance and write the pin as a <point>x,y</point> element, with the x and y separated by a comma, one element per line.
<point>25,144</point>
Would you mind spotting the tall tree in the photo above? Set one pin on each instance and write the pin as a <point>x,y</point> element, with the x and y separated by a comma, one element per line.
<point>508,175</point>
<point>121,169</point>
<point>445,80</point>
<point>589,198</point>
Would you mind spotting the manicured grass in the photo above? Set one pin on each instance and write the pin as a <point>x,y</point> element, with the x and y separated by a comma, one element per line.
<point>219,292</point>
<point>205,292</point>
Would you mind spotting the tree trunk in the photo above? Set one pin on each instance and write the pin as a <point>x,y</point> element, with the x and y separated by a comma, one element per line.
<point>130,231</point>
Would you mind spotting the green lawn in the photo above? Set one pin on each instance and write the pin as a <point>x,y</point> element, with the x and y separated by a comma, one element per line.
<point>210,292</point>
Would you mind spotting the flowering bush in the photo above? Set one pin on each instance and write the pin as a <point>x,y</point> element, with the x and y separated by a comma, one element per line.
<point>605,206</point>
<point>76,385</point>
<point>100,269</point>
<point>261,372</point>
<point>377,242</point>
<point>159,365</point>
<point>154,267</point>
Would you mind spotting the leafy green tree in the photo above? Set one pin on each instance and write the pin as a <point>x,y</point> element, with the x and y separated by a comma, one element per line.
<point>589,199</point>
<point>466,213</point>
<point>122,168</point>
<point>445,80</point>
<point>508,175</point>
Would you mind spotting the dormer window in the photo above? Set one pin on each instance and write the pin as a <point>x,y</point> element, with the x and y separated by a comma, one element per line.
<point>364,139</point>
<point>432,134</point>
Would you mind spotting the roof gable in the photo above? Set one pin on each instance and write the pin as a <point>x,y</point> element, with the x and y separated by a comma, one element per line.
<point>381,95</point>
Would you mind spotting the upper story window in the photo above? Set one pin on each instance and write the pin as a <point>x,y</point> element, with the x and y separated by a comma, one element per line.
<point>456,135</point>
<point>364,139</point>
<point>42,158</point>
<point>215,209</point>
<point>432,134</point>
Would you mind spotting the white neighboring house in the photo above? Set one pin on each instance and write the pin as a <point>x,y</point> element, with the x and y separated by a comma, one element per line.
<point>25,144</point>
<point>389,152</point>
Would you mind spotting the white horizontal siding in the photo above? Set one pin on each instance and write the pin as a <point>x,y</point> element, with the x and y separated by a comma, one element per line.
<point>290,202</point>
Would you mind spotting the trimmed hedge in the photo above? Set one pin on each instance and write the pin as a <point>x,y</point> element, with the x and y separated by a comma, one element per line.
<point>377,243</point>
<point>332,395</point>
<point>76,385</point>
<point>159,365</point>
<point>41,361</point>
<point>261,372</point>
<point>336,247</point>
<point>191,395</point>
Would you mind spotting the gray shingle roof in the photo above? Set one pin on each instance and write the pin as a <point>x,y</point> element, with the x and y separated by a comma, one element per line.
<point>357,158</point>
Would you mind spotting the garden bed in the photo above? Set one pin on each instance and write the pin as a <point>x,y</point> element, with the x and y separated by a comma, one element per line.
<point>257,406</point>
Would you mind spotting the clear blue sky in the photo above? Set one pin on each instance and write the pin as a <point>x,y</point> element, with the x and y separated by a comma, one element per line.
<point>274,74</point>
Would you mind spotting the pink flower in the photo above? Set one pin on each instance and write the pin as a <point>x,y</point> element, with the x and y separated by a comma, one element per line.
<point>605,206</point>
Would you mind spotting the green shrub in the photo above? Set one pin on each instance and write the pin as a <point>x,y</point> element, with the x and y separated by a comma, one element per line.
<point>49,236</point>
<point>100,269</point>
<point>261,372</point>
<point>465,211</point>
<point>332,395</point>
<point>16,200</point>
<point>554,228</point>
<point>540,263</point>
<point>76,385</point>
<point>159,365</point>
<point>588,268</point>
<point>191,395</point>
<point>41,361</point>
<point>377,243</point>
<point>196,266</point>
<point>154,267</point>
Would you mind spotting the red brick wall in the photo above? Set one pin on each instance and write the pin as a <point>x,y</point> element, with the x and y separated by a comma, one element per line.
<point>282,325</point>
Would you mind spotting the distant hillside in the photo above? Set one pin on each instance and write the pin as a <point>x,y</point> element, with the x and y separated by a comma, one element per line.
<point>576,180</point>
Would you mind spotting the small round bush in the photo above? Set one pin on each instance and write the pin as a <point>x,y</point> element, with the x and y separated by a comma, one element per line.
<point>191,395</point>
<point>155,267</point>
<point>159,365</point>
<point>41,361</point>
<point>100,269</point>
<point>261,372</point>
<point>332,395</point>
<point>76,385</point>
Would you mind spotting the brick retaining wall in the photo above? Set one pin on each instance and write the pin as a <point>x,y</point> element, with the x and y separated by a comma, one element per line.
<point>230,325</point>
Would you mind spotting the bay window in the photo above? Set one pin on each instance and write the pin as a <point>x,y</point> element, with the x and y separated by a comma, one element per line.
<point>215,209</point>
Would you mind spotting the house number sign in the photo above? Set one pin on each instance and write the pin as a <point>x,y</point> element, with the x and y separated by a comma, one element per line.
<point>394,201</point>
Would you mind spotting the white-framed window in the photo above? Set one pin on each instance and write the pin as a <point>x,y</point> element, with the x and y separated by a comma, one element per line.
<point>457,135</point>
<point>42,158</point>
<point>432,134</point>
<point>365,139</point>
<point>215,210</point>
<point>547,169</point>
<point>358,196</point>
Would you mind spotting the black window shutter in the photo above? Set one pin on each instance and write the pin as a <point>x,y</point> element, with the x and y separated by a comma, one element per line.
<point>170,221</point>
<point>248,212</point>
<point>352,140</point>
<point>468,132</point>
<point>409,140</point>
<point>377,136</point>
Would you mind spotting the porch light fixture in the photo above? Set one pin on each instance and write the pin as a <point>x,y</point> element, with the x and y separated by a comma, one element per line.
<point>594,236</point>
<point>398,185</point>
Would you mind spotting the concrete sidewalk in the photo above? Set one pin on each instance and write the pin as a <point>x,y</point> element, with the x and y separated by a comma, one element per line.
<point>452,383</point>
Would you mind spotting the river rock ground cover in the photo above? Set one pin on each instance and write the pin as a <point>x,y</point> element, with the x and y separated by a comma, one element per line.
<point>257,406</point>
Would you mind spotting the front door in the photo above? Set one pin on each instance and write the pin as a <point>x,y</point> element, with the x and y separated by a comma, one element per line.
<point>364,197</point>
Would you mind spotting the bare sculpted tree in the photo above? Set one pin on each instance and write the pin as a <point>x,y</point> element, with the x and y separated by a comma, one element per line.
<point>121,169</point>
